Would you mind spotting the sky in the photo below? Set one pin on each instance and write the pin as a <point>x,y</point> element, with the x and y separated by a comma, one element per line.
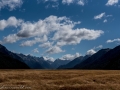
<point>63,29</point>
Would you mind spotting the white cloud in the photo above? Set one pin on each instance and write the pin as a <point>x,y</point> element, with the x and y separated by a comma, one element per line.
<point>46,44</point>
<point>11,4</point>
<point>99,47</point>
<point>36,29</point>
<point>12,38</point>
<point>99,16</point>
<point>54,50</point>
<point>60,30</point>
<point>49,24</point>
<point>49,58</point>
<point>34,41</point>
<point>67,1</point>
<point>114,40</point>
<point>79,2</point>
<point>105,21</point>
<point>94,50</point>
<point>73,37</point>
<point>50,0</point>
<point>112,2</point>
<point>109,15</point>
<point>36,50</point>
<point>10,22</point>
<point>70,57</point>
<point>91,52</point>
<point>0,42</point>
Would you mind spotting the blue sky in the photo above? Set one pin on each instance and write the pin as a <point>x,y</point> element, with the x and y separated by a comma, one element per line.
<point>62,29</point>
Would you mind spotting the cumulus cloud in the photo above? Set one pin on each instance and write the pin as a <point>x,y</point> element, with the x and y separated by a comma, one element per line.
<point>54,50</point>
<point>36,29</point>
<point>91,52</point>
<point>99,16</point>
<point>12,38</point>
<point>10,22</point>
<point>11,4</point>
<point>36,50</point>
<point>79,2</point>
<point>46,44</point>
<point>34,41</point>
<point>49,58</point>
<point>112,2</point>
<point>60,30</point>
<point>73,37</point>
<point>68,2</point>
<point>114,40</point>
<point>105,21</point>
<point>70,57</point>
<point>99,47</point>
<point>49,24</point>
<point>94,50</point>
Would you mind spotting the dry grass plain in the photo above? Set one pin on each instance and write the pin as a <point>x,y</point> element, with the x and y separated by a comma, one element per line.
<point>59,80</point>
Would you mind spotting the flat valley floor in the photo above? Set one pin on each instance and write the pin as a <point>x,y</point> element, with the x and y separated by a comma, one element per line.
<point>59,80</point>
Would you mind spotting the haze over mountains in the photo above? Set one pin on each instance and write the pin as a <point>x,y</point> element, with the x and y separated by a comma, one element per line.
<point>103,59</point>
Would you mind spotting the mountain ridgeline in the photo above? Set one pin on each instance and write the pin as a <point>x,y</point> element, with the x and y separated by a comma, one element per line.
<point>104,59</point>
<point>73,62</point>
<point>9,60</point>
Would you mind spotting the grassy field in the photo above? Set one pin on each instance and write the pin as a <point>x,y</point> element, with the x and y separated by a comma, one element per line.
<point>59,80</point>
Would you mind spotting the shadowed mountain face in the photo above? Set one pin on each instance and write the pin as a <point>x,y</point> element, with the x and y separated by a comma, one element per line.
<point>103,59</point>
<point>35,62</point>
<point>32,62</point>
<point>95,57</point>
<point>59,62</point>
<point>7,61</point>
<point>74,62</point>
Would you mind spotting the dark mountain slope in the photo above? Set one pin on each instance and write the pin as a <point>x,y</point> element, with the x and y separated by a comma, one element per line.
<point>59,62</point>
<point>74,62</point>
<point>9,62</point>
<point>111,60</point>
<point>90,63</point>
<point>35,62</point>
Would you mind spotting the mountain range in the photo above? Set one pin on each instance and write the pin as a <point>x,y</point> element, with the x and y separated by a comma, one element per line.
<point>108,59</point>
<point>103,59</point>
<point>9,60</point>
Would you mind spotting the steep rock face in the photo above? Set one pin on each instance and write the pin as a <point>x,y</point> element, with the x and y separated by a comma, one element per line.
<point>111,60</point>
<point>90,63</point>
<point>7,61</point>
<point>35,62</point>
<point>71,64</point>
<point>74,62</point>
<point>59,62</point>
<point>104,59</point>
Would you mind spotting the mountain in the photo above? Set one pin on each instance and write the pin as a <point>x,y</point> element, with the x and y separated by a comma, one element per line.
<point>59,62</point>
<point>35,62</point>
<point>9,61</point>
<point>30,61</point>
<point>50,62</point>
<point>103,59</point>
<point>74,62</point>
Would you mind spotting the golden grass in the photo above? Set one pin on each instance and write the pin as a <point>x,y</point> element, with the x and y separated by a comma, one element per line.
<point>59,80</point>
